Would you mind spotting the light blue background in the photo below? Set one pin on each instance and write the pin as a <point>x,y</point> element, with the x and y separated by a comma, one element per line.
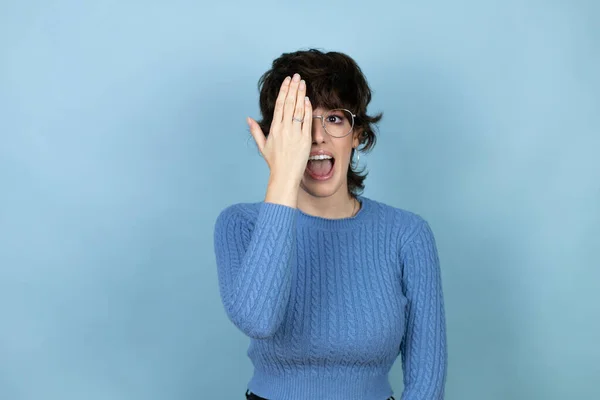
<point>123,135</point>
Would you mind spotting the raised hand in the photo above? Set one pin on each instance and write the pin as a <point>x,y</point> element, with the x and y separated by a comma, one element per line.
<point>287,148</point>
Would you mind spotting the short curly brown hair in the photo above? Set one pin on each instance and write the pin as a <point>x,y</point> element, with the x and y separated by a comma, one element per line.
<point>333,80</point>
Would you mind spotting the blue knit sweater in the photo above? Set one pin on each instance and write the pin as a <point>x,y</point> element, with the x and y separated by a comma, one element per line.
<point>329,304</point>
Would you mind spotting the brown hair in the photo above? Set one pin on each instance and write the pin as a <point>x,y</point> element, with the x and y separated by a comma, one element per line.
<point>333,80</point>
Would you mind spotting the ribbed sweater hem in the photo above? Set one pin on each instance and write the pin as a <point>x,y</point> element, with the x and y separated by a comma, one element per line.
<point>318,384</point>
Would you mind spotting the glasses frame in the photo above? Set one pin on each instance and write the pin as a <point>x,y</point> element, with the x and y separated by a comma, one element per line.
<point>321,117</point>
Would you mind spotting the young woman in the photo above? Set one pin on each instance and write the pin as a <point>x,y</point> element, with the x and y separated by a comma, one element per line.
<point>330,286</point>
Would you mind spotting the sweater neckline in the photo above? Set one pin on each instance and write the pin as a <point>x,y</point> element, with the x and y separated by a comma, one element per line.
<point>337,223</point>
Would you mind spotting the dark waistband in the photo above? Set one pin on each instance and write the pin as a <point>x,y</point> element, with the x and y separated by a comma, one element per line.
<point>252,396</point>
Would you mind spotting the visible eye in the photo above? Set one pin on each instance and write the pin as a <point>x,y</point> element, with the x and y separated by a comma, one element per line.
<point>336,118</point>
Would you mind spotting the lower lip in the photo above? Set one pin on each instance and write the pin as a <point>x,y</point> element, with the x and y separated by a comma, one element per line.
<point>321,177</point>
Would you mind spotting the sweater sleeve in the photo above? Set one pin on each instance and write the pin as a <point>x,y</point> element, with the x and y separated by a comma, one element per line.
<point>254,261</point>
<point>424,352</point>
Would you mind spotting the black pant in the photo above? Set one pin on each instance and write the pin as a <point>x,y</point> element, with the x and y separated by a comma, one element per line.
<point>252,396</point>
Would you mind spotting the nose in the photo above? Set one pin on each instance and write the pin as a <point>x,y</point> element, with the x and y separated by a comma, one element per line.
<point>318,133</point>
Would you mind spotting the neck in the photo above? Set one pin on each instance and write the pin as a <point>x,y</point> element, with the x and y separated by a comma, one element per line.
<point>339,205</point>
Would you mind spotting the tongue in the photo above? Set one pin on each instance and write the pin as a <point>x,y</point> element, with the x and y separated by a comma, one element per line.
<point>320,167</point>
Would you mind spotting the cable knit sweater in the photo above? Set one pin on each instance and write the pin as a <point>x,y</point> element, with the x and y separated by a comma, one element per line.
<point>329,304</point>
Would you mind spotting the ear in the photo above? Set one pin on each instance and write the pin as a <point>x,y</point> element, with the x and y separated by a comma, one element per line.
<point>356,138</point>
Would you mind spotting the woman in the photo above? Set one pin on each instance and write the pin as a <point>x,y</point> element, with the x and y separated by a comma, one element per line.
<point>330,285</point>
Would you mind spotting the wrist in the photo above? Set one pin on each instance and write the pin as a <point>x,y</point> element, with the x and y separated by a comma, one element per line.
<point>283,190</point>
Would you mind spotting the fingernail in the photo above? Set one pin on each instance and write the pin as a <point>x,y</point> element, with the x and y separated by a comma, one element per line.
<point>302,84</point>
<point>306,99</point>
<point>287,79</point>
<point>296,77</point>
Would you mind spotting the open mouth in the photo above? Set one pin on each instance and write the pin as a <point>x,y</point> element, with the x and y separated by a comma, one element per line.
<point>320,167</point>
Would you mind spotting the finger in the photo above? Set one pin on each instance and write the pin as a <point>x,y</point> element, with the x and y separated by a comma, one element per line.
<point>308,118</point>
<point>257,134</point>
<point>290,100</point>
<point>299,110</point>
<point>280,102</point>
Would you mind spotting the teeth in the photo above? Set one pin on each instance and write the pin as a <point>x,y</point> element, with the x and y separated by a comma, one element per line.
<point>320,157</point>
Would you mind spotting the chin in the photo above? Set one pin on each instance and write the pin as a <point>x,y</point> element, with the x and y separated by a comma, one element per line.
<point>319,191</point>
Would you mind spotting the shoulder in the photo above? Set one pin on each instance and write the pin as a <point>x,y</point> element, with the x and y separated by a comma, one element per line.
<point>239,213</point>
<point>403,223</point>
<point>394,214</point>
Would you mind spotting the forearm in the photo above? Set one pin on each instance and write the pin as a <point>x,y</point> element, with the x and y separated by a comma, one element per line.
<point>255,281</point>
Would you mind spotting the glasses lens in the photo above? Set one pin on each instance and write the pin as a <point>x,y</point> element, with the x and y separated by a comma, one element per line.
<point>338,123</point>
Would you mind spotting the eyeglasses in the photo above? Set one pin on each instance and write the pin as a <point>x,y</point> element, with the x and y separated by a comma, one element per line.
<point>337,123</point>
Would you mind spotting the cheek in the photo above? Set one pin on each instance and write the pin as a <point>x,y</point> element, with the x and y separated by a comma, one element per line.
<point>342,148</point>
<point>343,158</point>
